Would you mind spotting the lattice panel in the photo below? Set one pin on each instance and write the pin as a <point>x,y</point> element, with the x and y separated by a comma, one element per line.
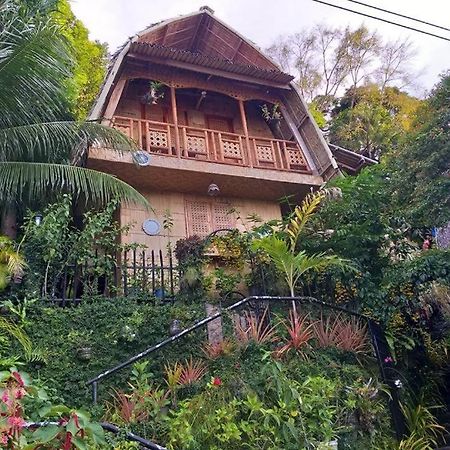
<point>264,153</point>
<point>295,158</point>
<point>198,218</point>
<point>123,128</point>
<point>221,216</point>
<point>158,139</point>
<point>196,144</point>
<point>232,149</point>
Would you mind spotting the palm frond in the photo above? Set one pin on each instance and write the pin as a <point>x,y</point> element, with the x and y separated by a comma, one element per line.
<point>302,214</point>
<point>55,141</point>
<point>19,180</point>
<point>11,329</point>
<point>35,63</point>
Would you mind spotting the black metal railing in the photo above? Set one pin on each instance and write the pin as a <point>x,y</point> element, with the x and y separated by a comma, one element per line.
<point>135,272</point>
<point>378,341</point>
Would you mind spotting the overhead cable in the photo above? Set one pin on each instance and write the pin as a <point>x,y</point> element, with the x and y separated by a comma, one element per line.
<point>399,15</point>
<point>383,20</point>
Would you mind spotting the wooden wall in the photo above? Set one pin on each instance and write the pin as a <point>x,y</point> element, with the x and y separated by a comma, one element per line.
<point>175,203</point>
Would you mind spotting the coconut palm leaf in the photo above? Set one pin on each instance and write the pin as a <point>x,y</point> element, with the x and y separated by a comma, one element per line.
<point>35,64</point>
<point>55,141</point>
<point>35,180</point>
<point>37,137</point>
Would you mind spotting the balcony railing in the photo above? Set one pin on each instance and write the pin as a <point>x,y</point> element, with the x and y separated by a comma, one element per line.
<point>212,145</point>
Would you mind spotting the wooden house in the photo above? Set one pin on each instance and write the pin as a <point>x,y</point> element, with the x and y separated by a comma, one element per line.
<point>192,91</point>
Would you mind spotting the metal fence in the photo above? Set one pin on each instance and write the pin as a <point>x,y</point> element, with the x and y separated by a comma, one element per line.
<point>138,273</point>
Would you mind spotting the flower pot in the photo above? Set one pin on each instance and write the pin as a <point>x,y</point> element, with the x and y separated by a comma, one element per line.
<point>84,353</point>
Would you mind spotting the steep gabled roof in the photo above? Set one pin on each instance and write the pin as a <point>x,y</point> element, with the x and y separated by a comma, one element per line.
<point>203,33</point>
<point>198,38</point>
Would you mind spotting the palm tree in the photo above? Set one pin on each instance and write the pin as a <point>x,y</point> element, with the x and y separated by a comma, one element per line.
<point>282,247</point>
<point>41,149</point>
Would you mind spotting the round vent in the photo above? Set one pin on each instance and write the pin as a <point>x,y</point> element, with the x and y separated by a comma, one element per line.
<point>151,227</point>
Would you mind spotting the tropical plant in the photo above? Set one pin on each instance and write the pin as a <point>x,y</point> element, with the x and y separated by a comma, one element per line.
<point>344,334</point>
<point>423,428</point>
<point>41,149</point>
<point>192,372</point>
<point>61,427</point>
<point>300,332</point>
<point>214,350</point>
<point>12,264</point>
<point>256,329</point>
<point>282,248</point>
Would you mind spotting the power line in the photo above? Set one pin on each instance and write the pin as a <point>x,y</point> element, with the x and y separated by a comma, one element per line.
<point>400,15</point>
<point>382,20</point>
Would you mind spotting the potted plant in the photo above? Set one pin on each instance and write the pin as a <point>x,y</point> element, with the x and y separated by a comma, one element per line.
<point>154,93</point>
<point>81,342</point>
<point>271,115</point>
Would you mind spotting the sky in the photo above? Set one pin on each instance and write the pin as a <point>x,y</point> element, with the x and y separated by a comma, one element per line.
<point>262,21</point>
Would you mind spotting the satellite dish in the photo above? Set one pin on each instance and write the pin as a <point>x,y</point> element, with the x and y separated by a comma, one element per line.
<point>141,158</point>
<point>151,227</point>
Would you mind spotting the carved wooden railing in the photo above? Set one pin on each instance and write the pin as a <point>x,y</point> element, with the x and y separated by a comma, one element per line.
<point>212,145</point>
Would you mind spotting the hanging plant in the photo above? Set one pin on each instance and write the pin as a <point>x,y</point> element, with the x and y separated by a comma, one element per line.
<point>154,93</point>
<point>271,115</point>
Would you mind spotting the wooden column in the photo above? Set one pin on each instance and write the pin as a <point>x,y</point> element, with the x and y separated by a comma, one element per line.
<point>173,101</point>
<point>114,101</point>
<point>245,127</point>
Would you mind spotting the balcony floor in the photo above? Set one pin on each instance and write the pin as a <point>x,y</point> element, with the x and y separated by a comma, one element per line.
<point>193,176</point>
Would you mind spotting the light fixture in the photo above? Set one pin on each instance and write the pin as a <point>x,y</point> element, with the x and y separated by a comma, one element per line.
<point>38,219</point>
<point>213,190</point>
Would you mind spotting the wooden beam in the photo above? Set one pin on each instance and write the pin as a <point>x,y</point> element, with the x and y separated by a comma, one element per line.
<point>209,71</point>
<point>237,50</point>
<point>114,101</point>
<point>195,37</point>
<point>165,35</point>
<point>173,101</point>
<point>245,127</point>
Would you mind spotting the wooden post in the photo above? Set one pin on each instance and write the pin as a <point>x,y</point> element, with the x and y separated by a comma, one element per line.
<point>173,101</point>
<point>114,101</point>
<point>245,127</point>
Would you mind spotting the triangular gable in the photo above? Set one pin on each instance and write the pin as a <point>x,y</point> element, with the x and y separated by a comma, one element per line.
<point>202,33</point>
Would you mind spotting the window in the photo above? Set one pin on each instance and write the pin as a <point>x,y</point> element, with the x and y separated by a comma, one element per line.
<point>203,216</point>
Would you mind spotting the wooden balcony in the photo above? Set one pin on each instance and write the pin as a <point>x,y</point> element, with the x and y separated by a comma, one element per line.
<point>203,144</point>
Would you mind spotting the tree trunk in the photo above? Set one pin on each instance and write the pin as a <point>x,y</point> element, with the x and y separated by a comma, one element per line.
<point>9,222</point>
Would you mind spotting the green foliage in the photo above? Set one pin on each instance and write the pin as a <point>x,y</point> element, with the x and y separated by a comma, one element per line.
<point>89,60</point>
<point>114,329</point>
<point>12,264</point>
<point>22,401</point>
<point>371,121</point>
<point>422,164</point>
<point>282,249</point>
<point>56,245</point>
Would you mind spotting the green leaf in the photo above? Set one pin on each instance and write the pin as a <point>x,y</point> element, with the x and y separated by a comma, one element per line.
<point>46,434</point>
<point>79,443</point>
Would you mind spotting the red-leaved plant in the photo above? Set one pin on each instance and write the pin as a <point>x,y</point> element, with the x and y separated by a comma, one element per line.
<point>192,372</point>
<point>221,348</point>
<point>256,330</point>
<point>345,334</point>
<point>300,332</point>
